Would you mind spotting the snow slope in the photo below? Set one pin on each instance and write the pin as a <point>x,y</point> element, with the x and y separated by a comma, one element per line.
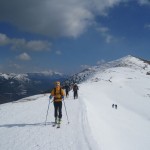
<point>22,126</point>
<point>128,127</point>
<point>94,124</point>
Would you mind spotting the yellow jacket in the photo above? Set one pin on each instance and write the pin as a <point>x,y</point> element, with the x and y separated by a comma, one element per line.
<point>57,92</point>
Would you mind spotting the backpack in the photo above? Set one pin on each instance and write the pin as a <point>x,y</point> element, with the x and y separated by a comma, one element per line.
<point>57,95</point>
<point>55,91</point>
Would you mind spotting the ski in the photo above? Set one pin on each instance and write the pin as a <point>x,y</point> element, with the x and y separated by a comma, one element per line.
<point>54,125</point>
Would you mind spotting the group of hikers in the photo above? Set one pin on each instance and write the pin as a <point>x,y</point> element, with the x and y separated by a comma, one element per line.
<point>75,89</point>
<point>58,94</point>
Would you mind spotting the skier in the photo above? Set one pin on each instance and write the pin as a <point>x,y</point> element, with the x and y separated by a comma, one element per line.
<point>58,94</point>
<point>113,105</point>
<point>75,90</point>
<point>67,88</point>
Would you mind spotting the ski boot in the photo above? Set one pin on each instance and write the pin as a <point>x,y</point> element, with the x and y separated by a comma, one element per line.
<point>59,120</point>
<point>56,120</point>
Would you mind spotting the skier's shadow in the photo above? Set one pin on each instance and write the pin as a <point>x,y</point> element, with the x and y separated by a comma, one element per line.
<point>26,124</point>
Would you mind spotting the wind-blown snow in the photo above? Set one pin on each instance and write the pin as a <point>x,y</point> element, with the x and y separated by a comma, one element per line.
<point>94,124</point>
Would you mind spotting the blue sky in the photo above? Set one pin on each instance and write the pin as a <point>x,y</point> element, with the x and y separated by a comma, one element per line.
<point>69,35</point>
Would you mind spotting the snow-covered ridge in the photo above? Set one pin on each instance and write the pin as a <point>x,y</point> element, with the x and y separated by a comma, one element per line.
<point>125,62</point>
<point>124,83</point>
<point>129,61</point>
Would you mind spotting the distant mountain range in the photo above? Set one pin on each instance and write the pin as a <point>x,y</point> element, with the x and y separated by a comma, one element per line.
<point>16,86</point>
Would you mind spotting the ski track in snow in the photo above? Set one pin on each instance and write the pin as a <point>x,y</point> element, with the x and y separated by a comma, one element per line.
<point>22,126</point>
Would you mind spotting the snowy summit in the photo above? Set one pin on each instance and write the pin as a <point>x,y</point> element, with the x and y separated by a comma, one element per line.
<point>111,113</point>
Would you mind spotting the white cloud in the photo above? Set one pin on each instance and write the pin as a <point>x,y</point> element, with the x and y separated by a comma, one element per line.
<point>143,2</point>
<point>109,38</point>
<point>147,26</point>
<point>22,44</point>
<point>17,43</point>
<point>102,29</point>
<point>14,65</point>
<point>54,17</point>
<point>58,52</point>
<point>24,57</point>
<point>85,66</point>
<point>100,62</point>
<point>101,6</point>
<point>38,45</point>
<point>3,39</point>
<point>105,34</point>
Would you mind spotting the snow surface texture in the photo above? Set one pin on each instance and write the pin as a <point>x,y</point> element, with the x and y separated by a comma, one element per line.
<point>94,123</point>
<point>23,127</point>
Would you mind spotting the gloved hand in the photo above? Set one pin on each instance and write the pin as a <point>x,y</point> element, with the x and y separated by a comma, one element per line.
<point>50,97</point>
<point>62,97</point>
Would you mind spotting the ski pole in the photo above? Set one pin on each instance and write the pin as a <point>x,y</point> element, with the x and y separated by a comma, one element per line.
<point>66,111</point>
<point>47,112</point>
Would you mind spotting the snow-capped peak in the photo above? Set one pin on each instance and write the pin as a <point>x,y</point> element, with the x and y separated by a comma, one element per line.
<point>14,76</point>
<point>125,62</point>
<point>128,61</point>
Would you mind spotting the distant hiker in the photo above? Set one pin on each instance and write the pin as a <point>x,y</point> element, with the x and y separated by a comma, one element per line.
<point>75,90</point>
<point>67,89</point>
<point>113,105</point>
<point>58,94</point>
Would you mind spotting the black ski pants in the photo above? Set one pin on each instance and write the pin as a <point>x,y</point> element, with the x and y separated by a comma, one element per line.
<point>75,94</point>
<point>58,109</point>
<point>67,93</point>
